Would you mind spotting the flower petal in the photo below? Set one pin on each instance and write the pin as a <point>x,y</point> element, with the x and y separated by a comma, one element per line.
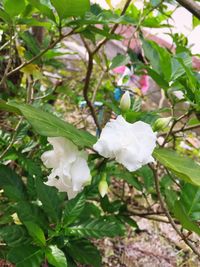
<point>80,174</point>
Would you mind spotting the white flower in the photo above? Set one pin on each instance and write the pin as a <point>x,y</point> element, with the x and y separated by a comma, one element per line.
<point>129,144</point>
<point>70,171</point>
<point>125,102</point>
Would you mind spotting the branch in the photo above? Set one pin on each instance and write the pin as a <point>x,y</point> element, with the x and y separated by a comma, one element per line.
<point>90,67</point>
<point>189,128</point>
<point>191,6</point>
<point>86,88</point>
<point>52,45</point>
<point>9,59</point>
<point>173,224</point>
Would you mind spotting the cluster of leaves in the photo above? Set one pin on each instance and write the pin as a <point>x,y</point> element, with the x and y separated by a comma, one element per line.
<point>40,225</point>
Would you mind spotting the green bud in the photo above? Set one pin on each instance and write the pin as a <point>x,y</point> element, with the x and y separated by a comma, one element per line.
<point>125,102</point>
<point>103,187</point>
<point>161,123</point>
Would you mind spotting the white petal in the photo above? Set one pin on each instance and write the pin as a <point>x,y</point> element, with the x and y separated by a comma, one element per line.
<point>71,193</point>
<point>110,139</point>
<point>58,184</point>
<point>50,160</point>
<point>130,144</point>
<point>69,166</point>
<point>80,174</point>
<point>64,148</point>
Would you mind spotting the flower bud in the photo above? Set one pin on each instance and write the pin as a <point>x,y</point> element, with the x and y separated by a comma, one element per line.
<point>161,123</point>
<point>103,187</point>
<point>125,102</point>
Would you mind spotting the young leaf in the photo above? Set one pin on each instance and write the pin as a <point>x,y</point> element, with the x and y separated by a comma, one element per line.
<point>36,232</point>
<point>73,209</point>
<point>26,256</point>
<point>185,168</point>
<point>84,252</point>
<point>69,8</point>
<point>49,125</point>
<point>97,228</point>
<point>56,257</point>
<point>11,184</point>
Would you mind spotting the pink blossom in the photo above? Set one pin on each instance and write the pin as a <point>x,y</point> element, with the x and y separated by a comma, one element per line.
<point>119,70</point>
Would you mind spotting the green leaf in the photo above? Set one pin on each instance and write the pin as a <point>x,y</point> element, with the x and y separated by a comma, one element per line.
<point>195,21</point>
<point>26,256</point>
<point>185,168</point>
<point>160,58</point>
<point>6,107</point>
<point>146,173</point>
<point>28,212</point>
<point>191,78</point>
<point>69,8</point>
<point>186,222</point>
<point>12,184</point>
<point>190,199</point>
<point>177,67</point>
<point>49,125</point>
<point>45,10</point>
<point>36,232</point>
<point>84,252</point>
<point>110,207</point>
<point>129,221</point>
<point>14,7</point>
<point>4,16</point>
<point>157,78</point>
<point>152,55</point>
<point>50,201</point>
<point>56,257</point>
<point>90,211</point>
<point>119,60</point>
<point>97,228</point>
<point>14,235</point>
<point>74,208</point>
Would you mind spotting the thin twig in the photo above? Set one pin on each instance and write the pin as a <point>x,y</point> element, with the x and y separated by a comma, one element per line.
<point>173,125</point>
